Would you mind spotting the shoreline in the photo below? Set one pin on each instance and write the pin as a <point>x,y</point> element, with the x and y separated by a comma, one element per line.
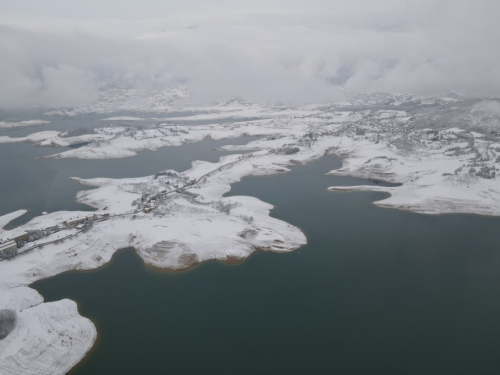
<point>203,224</point>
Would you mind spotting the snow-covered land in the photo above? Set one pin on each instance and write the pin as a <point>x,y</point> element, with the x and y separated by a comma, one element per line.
<point>444,152</point>
<point>130,100</point>
<point>32,138</point>
<point>6,219</point>
<point>21,124</point>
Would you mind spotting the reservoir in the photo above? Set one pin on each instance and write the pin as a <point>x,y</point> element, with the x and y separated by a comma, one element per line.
<point>375,291</point>
<point>39,185</point>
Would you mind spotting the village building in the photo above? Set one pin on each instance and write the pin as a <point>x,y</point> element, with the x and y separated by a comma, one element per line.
<point>71,223</point>
<point>50,230</point>
<point>21,238</point>
<point>8,249</point>
<point>88,219</point>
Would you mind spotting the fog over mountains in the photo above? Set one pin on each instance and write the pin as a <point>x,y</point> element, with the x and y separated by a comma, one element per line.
<point>58,55</point>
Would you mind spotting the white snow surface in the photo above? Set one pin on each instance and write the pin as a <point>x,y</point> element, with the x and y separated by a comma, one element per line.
<point>21,124</point>
<point>5,219</point>
<point>32,138</point>
<point>443,152</point>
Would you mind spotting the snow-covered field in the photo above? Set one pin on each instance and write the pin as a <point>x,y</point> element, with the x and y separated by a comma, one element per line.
<point>444,152</point>
<point>5,219</point>
<point>21,124</point>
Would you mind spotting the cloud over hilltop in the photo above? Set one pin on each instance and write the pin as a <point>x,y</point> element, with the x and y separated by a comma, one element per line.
<point>301,55</point>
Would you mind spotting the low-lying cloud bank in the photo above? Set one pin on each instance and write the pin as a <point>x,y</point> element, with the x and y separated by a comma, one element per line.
<point>297,56</point>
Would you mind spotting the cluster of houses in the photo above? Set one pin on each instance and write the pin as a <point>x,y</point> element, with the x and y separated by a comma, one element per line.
<point>148,201</point>
<point>80,223</point>
<point>10,248</point>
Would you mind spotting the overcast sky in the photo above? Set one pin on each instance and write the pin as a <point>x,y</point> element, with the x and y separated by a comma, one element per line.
<point>137,9</point>
<point>62,53</point>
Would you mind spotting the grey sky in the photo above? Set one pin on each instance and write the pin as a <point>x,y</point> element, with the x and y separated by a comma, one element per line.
<point>61,53</point>
<point>135,9</point>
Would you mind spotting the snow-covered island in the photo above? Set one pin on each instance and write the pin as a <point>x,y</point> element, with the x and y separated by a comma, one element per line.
<point>445,153</point>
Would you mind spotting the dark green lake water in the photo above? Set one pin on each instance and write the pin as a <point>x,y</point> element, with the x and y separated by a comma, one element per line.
<point>375,291</point>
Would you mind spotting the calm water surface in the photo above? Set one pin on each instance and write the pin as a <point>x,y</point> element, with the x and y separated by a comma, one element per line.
<point>375,291</point>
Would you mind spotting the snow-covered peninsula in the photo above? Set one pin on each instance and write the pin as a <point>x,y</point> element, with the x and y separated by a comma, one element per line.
<point>21,124</point>
<point>445,153</point>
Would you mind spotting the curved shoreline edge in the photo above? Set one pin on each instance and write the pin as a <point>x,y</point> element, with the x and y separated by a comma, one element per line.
<point>194,223</point>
